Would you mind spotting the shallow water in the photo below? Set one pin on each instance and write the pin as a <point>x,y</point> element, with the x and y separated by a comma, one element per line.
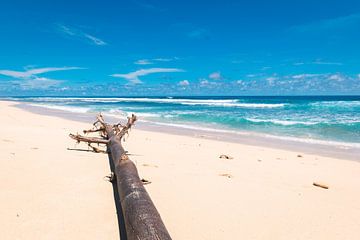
<point>323,119</point>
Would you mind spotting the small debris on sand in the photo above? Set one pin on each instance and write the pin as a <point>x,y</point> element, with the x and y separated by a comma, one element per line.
<point>110,178</point>
<point>223,156</point>
<point>299,156</point>
<point>226,175</point>
<point>149,165</point>
<point>322,185</point>
<point>145,181</point>
<point>259,160</point>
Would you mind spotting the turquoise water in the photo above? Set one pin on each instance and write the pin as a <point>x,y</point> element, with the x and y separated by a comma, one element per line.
<point>329,118</point>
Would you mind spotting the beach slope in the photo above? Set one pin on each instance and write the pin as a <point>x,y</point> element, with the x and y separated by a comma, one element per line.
<point>49,192</point>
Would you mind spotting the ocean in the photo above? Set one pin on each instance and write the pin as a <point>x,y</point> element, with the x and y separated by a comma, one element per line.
<point>322,119</point>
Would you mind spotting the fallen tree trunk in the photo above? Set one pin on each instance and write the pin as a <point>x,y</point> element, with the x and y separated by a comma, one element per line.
<point>142,220</point>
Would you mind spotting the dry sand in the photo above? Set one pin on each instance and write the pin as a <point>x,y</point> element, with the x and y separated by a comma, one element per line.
<point>48,192</point>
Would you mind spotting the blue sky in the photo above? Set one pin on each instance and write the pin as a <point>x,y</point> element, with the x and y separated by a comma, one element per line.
<point>157,47</point>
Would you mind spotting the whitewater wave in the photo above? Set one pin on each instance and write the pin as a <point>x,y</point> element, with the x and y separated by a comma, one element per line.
<point>205,102</point>
<point>281,122</point>
<point>62,108</point>
<point>336,104</point>
<point>122,114</point>
<point>316,141</point>
<point>339,144</point>
<point>236,104</point>
<point>147,117</point>
<point>309,123</point>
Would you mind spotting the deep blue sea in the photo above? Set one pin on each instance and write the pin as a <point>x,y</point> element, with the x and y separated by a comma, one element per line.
<point>311,118</point>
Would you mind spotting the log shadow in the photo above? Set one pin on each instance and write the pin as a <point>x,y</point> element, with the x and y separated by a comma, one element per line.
<point>119,212</point>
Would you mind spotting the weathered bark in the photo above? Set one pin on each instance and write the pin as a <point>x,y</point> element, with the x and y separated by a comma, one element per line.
<point>80,138</point>
<point>142,220</point>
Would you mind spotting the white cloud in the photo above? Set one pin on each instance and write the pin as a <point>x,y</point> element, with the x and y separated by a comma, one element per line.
<point>271,80</point>
<point>215,76</point>
<point>39,82</point>
<point>305,75</point>
<point>77,33</point>
<point>208,84</point>
<point>184,83</point>
<point>336,77</point>
<point>29,77</point>
<point>143,62</point>
<point>241,82</point>
<point>133,77</point>
<point>204,82</point>
<point>32,72</point>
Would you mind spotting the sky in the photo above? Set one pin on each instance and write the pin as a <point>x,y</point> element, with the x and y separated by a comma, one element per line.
<point>179,48</point>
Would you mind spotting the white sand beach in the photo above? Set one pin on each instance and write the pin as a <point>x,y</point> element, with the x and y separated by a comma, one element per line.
<point>49,192</point>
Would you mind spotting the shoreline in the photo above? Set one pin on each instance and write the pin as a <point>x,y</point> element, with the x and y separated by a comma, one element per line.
<point>327,149</point>
<point>49,192</point>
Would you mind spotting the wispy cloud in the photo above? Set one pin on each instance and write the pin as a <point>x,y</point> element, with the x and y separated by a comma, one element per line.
<point>342,22</point>
<point>30,78</point>
<point>320,62</point>
<point>199,33</point>
<point>304,75</point>
<point>153,60</point>
<point>165,59</point>
<point>149,6</point>
<point>191,31</point>
<point>133,77</point>
<point>143,62</point>
<point>32,72</point>
<point>265,68</point>
<point>252,75</point>
<point>95,40</point>
<point>79,34</point>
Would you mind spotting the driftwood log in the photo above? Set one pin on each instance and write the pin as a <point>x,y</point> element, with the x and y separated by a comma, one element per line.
<point>322,185</point>
<point>142,220</point>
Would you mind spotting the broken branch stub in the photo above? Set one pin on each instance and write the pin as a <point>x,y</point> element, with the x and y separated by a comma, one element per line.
<point>142,220</point>
<point>80,138</point>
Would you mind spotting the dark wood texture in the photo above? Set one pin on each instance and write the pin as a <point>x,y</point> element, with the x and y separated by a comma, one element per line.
<point>142,220</point>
